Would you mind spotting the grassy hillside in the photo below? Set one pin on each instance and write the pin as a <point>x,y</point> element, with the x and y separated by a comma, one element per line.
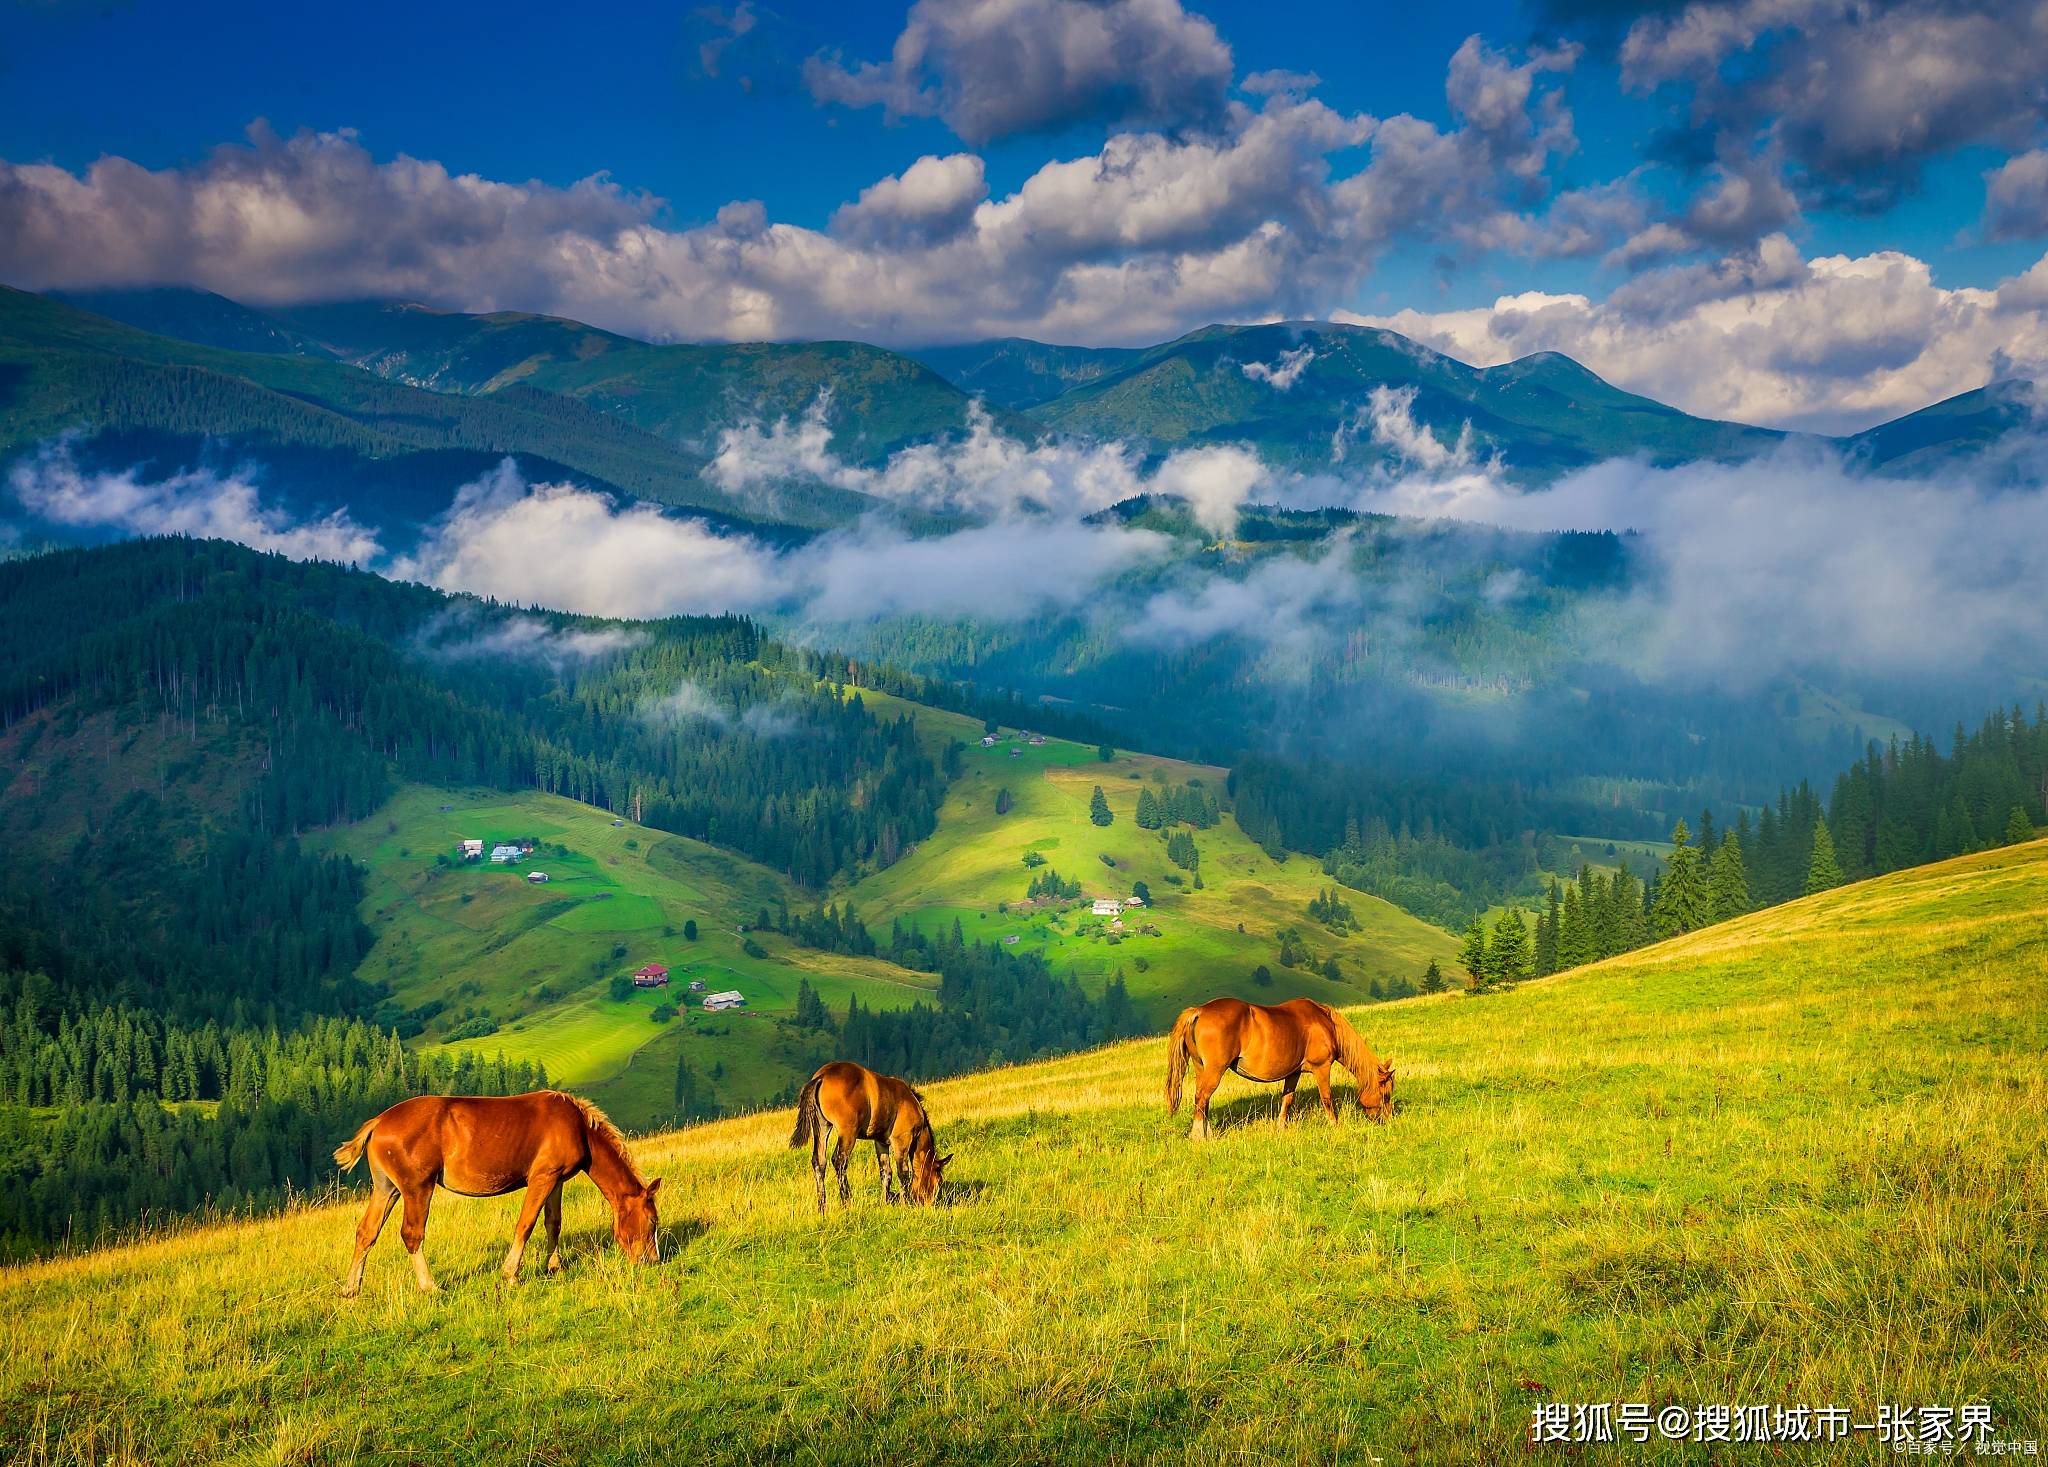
<point>1797,1159</point>
<point>1209,941</point>
<point>465,947</point>
<point>482,942</point>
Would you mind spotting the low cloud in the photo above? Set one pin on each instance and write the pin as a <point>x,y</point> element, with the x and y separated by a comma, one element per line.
<point>50,483</point>
<point>1798,561</point>
<point>1283,371</point>
<point>463,634</point>
<point>986,472</point>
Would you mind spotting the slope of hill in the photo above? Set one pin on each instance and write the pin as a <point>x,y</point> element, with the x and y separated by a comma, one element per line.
<point>63,369</point>
<point>478,958</point>
<point>1018,374</point>
<point>680,393</point>
<point>1295,391</point>
<point>1958,427</point>
<point>1795,1160</point>
<point>1208,941</point>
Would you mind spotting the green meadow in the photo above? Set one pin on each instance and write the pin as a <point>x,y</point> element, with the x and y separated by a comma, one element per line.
<point>538,960</point>
<point>1796,1159</point>
<point>497,964</point>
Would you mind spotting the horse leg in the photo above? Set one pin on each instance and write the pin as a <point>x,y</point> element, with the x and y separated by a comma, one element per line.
<point>882,1169</point>
<point>818,1160</point>
<point>1287,1095</point>
<point>552,1211</point>
<point>383,1197</point>
<point>1323,1084</point>
<point>538,1190</point>
<point>842,1155</point>
<point>413,1232</point>
<point>1211,1077</point>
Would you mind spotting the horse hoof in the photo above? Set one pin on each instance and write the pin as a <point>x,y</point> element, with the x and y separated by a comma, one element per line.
<point>554,1265</point>
<point>347,1292</point>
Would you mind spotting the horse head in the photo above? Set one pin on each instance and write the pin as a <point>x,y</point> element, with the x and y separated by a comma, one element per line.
<point>927,1167</point>
<point>1383,1104</point>
<point>636,1223</point>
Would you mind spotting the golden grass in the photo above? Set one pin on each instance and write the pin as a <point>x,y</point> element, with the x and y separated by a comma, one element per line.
<point>1795,1159</point>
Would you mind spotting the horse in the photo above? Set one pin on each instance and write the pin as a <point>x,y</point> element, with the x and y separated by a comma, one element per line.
<point>865,1106</point>
<point>486,1146</point>
<point>1268,1043</point>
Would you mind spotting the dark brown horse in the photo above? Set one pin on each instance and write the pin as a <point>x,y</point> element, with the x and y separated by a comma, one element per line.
<point>486,1146</point>
<point>1268,1044</point>
<point>865,1106</point>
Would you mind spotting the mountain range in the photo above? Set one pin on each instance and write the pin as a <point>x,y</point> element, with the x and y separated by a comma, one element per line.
<point>386,407</point>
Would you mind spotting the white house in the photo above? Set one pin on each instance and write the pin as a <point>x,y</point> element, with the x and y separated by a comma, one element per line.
<point>732,998</point>
<point>1132,901</point>
<point>538,878</point>
<point>1108,907</point>
<point>501,854</point>
<point>988,741</point>
<point>472,850</point>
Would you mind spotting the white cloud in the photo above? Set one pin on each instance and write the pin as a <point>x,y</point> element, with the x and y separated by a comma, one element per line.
<point>461,633</point>
<point>1152,233</point>
<point>1833,344</point>
<point>570,549</point>
<point>196,502</point>
<point>987,472</point>
<point>2016,197</point>
<point>1283,371</point>
<point>991,68</point>
<point>1857,95</point>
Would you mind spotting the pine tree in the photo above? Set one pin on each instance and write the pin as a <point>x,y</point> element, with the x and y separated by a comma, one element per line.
<point>1472,956</point>
<point>2017,827</point>
<point>1682,894</point>
<point>1098,808</point>
<point>1822,872</point>
<point>1510,955</point>
<point>1727,881</point>
<point>1433,978</point>
<point>1546,932</point>
<point>1149,817</point>
<point>1574,941</point>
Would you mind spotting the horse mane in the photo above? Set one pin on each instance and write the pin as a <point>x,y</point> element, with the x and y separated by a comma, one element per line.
<point>601,1124</point>
<point>1352,1050</point>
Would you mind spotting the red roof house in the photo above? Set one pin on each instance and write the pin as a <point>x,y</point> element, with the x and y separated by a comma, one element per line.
<point>654,975</point>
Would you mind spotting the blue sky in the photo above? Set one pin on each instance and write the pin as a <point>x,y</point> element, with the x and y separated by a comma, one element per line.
<point>1598,176</point>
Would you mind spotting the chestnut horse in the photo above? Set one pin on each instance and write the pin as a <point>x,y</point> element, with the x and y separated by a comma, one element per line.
<point>865,1106</point>
<point>486,1146</point>
<point>1271,1043</point>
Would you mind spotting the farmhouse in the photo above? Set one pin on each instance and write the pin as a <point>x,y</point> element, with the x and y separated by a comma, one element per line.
<point>1107,907</point>
<point>502,854</point>
<point>1134,901</point>
<point>696,985</point>
<point>654,975</point>
<point>538,878</point>
<point>1036,740</point>
<point>732,998</point>
<point>472,850</point>
<point>988,741</point>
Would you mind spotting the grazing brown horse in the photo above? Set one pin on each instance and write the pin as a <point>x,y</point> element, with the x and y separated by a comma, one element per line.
<point>486,1146</point>
<point>1267,1044</point>
<point>865,1106</point>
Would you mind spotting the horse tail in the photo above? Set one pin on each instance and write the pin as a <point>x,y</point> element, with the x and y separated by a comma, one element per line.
<point>350,1152</point>
<point>1178,1046</point>
<point>806,1112</point>
<point>1353,1052</point>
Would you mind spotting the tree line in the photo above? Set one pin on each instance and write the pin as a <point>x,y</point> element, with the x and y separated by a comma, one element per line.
<point>1902,805</point>
<point>115,1115</point>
